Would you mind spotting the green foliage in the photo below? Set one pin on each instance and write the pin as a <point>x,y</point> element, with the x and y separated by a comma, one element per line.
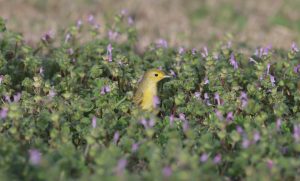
<point>67,114</point>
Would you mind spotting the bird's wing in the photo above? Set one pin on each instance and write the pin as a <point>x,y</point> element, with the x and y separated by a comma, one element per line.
<point>138,96</point>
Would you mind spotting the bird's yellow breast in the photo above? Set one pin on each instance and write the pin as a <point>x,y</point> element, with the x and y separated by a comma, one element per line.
<point>148,98</point>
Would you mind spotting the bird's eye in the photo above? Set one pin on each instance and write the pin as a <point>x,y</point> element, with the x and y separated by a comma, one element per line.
<point>155,75</point>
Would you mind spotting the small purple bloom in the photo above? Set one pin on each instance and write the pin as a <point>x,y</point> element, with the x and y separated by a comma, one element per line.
<point>233,62</point>
<point>205,52</point>
<point>162,43</point>
<point>151,123</point>
<point>17,97</point>
<point>206,81</point>
<point>194,51</point>
<point>156,101</point>
<point>144,123</point>
<point>116,137</point>
<point>268,68</point>
<point>206,99</point>
<point>167,171</point>
<point>198,95</point>
<point>48,36</point>
<point>204,157</point>
<point>113,35</point>
<point>182,116</point>
<point>70,51</point>
<point>134,147</point>
<point>217,159</point>
<point>296,133</point>
<point>78,23</point>
<point>124,12</point>
<point>147,124</point>
<point>270,164</point>
<point>297,68</point>
<point>122,163</point>
<point>244,99</point>
<point>256,136</point>
<point>295,47</point>
<point>68,37</point>
<point>109,52</point>
<point>217,98</point>
<point>34,156</point>
<point>229,116</point>
<point>272,79</point>
<point>94,122</point>
<point>130,20</point>
<point>3,113</point>
<point>171,119</point>
<point>219,115</point>
<point>105,89</point>
<point>239,129</point>
<point>278,124</point>
<point>181,50</point>
<point>246,143</point>
<point>91,19</point>
<point>216,56</point>
<point>172,73</point>
<point>52,92</point>
<point>185,126</point>
<point>41,70</point>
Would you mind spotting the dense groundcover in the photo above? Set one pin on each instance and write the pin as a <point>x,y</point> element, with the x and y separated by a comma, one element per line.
<point>66,111</point>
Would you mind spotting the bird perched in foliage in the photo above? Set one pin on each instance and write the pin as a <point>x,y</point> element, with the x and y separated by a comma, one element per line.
<point>146,94</point>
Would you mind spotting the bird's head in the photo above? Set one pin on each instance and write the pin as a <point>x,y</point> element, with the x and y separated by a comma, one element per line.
<point>155,75</point>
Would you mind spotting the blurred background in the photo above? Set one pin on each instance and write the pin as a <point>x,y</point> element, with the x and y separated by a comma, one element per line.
<point>188,23</point>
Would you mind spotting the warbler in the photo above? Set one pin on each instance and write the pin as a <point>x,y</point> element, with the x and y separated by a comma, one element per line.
<point>146,94</point>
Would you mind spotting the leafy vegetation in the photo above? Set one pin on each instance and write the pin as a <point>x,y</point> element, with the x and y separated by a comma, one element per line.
<point>66,110</point>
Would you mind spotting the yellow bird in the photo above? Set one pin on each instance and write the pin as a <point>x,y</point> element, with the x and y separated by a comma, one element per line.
<point>146,94</point>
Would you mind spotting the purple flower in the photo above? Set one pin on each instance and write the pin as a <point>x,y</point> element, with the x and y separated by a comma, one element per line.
<point>68,37</point>
<point>112,35</point>
<point>3,113</point>
<point>204,157</point>
<point>233,62</point>
<point>205,52</point>
<point>124,12</point>
<point>122,163</point>
<point>167,171</point>
<point>229,116</point>
<point>217,98</point>
<point>256,136</point>
<point>266,50</point>
<point>162,43</point>
<point>246,143</point>
<point>239,129</point>
<point>105,89</point>
<point>198,95</point>
<point>134,147</point>
<point>217,159</point>
<point>194,51</point>
<point>297,68</point>
<point>295,47</point>
<point>268,68</point>
<point>171,119</point>
<point>219,115</point>
<point>181,50</point>
<point>182,116</point>
<point>1,78</point>
<point>244,99</point>
<point>94,122</point>
<point>216,56</point>
<point>91,19</point>
<point>296,133</point>
<point>70,51</point>
<point>151,123</point>
<point>272,79</point>
<point>130,20</point>
<point>78,23</point>
<point>278,124</point>
<point>52,92</point>
<point>156,101</point>
<point>172,73</point>
<point>185,126</point>
<point>147,124</point>
<point>109,52</point>
<point>34,156</point>
<point>144,123</point>
<point>17,97</point>
<point>48,36</point>
<point>206,81</point>
<point>270,164</point>
<point>41,71</point>
<point>206,99</point>
<point>116,137</point>
<point>7,98</point>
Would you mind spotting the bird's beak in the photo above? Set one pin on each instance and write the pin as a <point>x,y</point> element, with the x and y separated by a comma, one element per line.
<point>167,76</point>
